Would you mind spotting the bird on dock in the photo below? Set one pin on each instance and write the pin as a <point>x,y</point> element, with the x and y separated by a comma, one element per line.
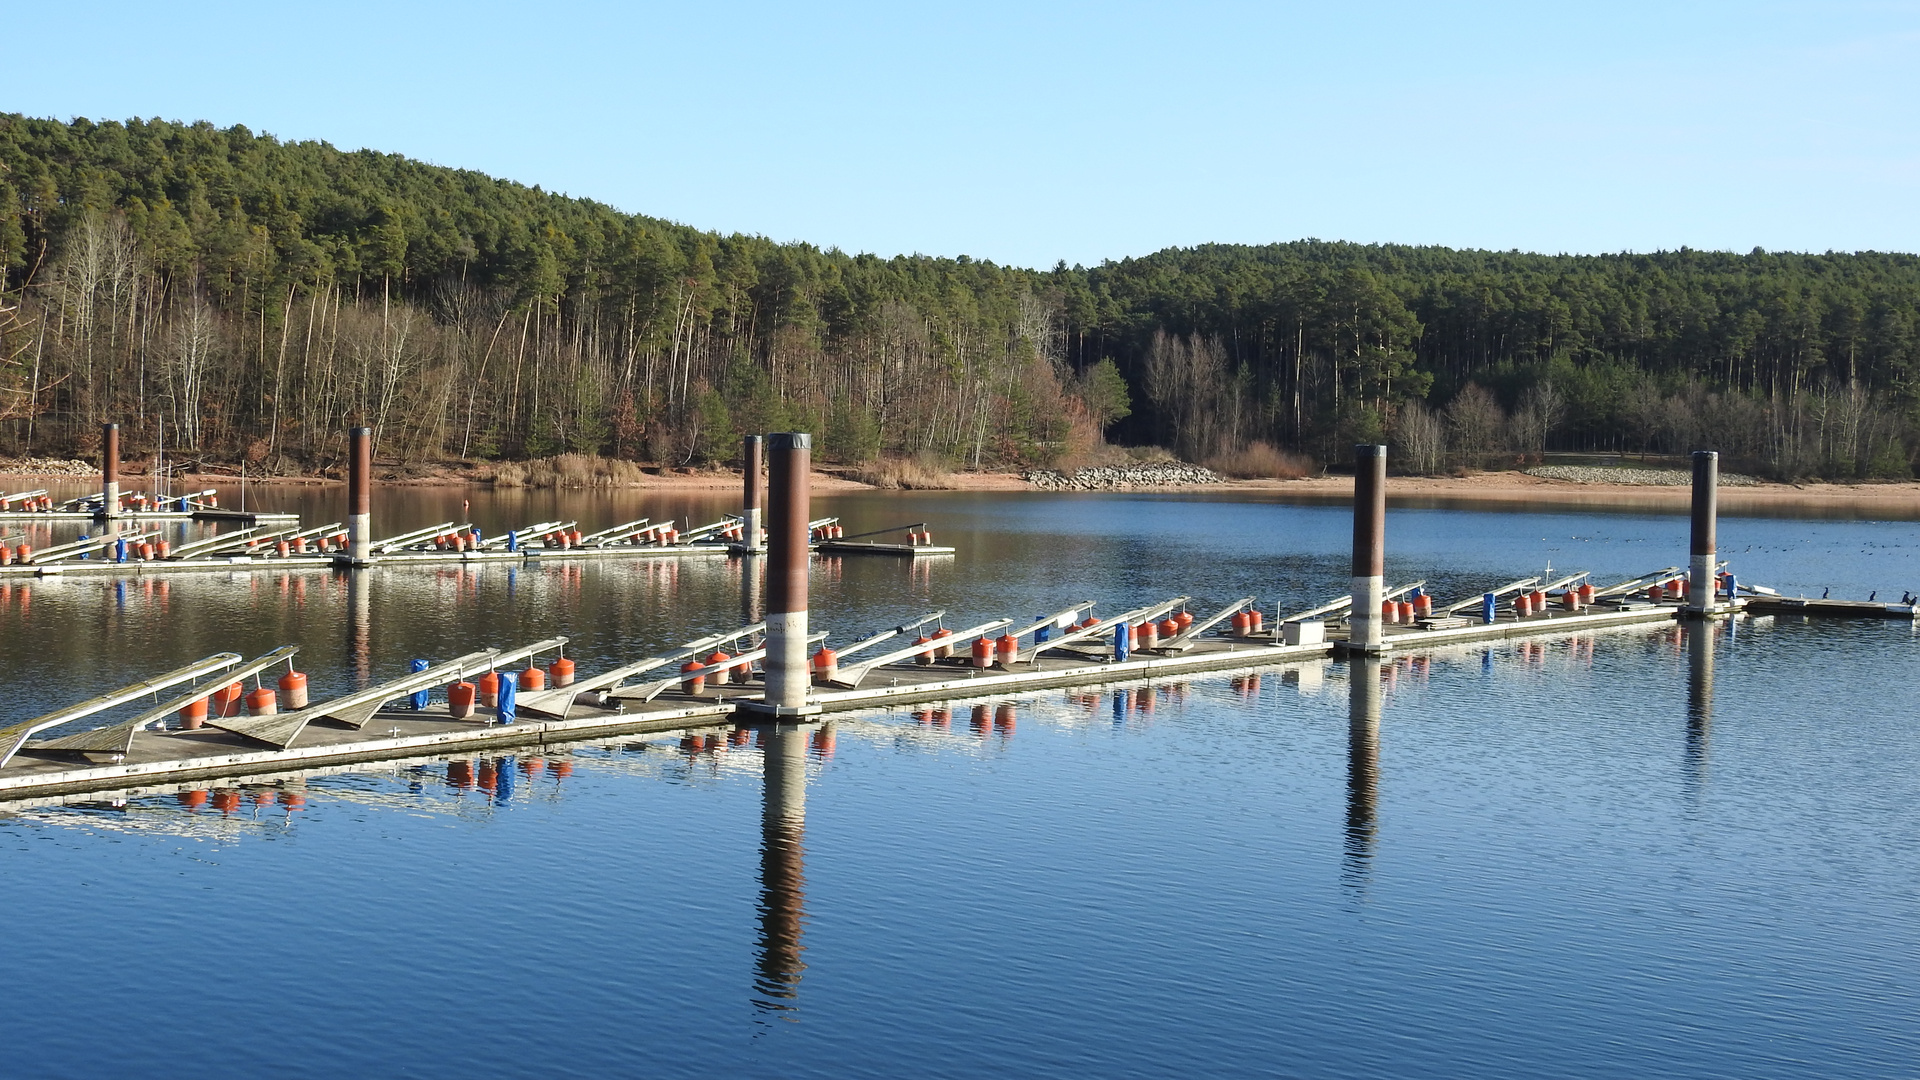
<point>1872,596</point>
<point>1825,591</point>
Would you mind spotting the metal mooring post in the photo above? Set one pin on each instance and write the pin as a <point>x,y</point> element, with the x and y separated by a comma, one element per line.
<point>1369,548</point>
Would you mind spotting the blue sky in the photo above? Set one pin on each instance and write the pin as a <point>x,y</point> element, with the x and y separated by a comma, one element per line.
<point>1031,132</point>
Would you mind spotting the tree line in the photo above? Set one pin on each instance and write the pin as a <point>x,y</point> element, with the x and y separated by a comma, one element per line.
<point>238,297</point>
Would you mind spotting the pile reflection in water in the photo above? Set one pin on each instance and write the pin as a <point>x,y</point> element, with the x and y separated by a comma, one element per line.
<point>1364,675</point>
<point>783,824</point>
<point>1698,639</point>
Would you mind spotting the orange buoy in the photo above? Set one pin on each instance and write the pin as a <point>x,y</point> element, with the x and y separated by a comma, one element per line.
<point>724,675</point>
<point>1169,628</point>
<point>262,702</point>
<point>533,679</point>
<point>942,647</point>
<point>1389,612</point>
<point>460,700</point>
<point>1149,632</point>
<point>1241,622</point>
<point>1523,605</point>
<point>325,544</point>
<point>143,550</point>
<point>459,541</point>
<point>162,548</point>
<point>294,685</point>
<point>1006,650</point>
<point>193,714</point>
<point>1422,606</point>
<point>490,689</point>
<point>282,548</point>
<point>1656,594</point>
<point>826,665</point>
<point>924,656</point>
<point>1570,599</point>
<point>982,652</point>
<point>562,671</point>
<point>6,555</point>
<point>1539,600</point>
<point>340,539</point>
<point>692,684</point>
<point>1586,594</point>
<point>1405,613</point>
<point>743,672</point>
<point>1256,622</point>
<point>23,553</point>
<point>226,700</point>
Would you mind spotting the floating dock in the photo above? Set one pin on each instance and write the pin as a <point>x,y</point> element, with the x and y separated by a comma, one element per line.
<point>774,676</point>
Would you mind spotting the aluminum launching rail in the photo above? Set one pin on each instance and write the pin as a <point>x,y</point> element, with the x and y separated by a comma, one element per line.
<point>316,532</point>
<point>1636,583</point>
<point>534,541</point>
<point>216,543</point>
<point>395,543</point>
<point>650,690</point>
<point>851,676</point>
<point>559,700</point>
<point>704,531</point>
<point>1105,626</point>
<point>1184,640</point>
<point>425,543</point>
<point>608,536</point>
<point>87,546</point>
<point>893,632</point>
<point>118,738</point>
<point>357,708</point>
<point>249,540</point>
<point>1058,619</point>
<point>521,535</point>
<point>1512,586</point>
<point>882,532</point>
<point>13,738</point>
<point>1345,602</point>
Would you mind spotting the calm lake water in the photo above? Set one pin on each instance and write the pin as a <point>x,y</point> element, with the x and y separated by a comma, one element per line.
<point>1650,852</point>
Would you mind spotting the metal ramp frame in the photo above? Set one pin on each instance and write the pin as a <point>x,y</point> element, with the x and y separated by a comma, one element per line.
<point>118,738</point>
<point>14,738</point>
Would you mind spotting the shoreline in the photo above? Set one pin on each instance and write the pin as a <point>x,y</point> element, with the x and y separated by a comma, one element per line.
<point>1495,488</point>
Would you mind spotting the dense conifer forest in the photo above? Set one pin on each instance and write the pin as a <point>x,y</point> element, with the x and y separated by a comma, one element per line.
<point>242,298</point>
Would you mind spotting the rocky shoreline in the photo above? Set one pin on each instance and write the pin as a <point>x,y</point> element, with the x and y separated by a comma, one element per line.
<point>1632,475</point>
<point>1123,477</point>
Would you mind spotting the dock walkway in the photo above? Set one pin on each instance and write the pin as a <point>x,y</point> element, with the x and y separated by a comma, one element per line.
<point>157,761</point>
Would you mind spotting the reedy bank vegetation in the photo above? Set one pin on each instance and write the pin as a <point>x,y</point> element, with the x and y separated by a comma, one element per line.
<point>246,298</point>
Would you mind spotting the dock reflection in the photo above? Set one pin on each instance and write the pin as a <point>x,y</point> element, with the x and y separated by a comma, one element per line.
<point>783,823</point>
<point>1363,769</point>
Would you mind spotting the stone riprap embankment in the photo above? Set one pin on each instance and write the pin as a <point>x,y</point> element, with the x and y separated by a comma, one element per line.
<point>1623,474</point>
<point>1122,477</point>
<point>48,467</point>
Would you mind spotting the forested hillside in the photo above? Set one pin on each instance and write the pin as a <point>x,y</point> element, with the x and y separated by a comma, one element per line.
<point>243,297</point>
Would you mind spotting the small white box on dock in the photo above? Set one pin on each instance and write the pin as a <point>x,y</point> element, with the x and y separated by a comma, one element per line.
<point>1304,632</point>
